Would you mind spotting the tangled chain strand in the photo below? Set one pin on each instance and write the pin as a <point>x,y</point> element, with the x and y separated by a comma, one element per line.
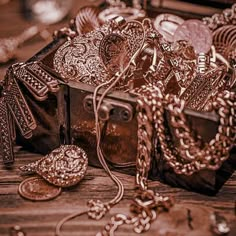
<point>146,203</point>
<point>192,156</point>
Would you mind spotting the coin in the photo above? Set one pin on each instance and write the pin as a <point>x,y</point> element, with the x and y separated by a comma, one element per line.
<point>166,25</point>
<point>196,33</point>
<point>37,189</point>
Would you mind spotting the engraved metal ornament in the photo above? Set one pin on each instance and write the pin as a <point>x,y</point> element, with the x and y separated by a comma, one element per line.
<point>6,130</point>
<point>86,58</point>
<point>37,80</point>
<point>79,59</point>
<point>36,189</point>
<point>63,167</point>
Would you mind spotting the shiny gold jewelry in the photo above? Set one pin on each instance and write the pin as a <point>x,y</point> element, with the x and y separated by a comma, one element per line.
<point>98,209</point>
<point>174,66</point>
<point>189,157</point>
<point>91,58</point>
<point>192,156</point>
<point>203,62</point>
<point>203,87</point>
<point>146,203</point>
<point>13,110</point>
<point>63,167</point>
<point>145,208</point>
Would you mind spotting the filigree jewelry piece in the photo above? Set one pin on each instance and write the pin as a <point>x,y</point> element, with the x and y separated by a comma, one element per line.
<point>174,67</point>
<point>14,110</point>
<point>64,166</point>
<point>166,25</point>
<point>13,106</point>
<point>203,87</point>
<point>38,81</point>
<point>79,59</point>
<point>98,209</point>
<point>7,133</point>
<point>91,58</point>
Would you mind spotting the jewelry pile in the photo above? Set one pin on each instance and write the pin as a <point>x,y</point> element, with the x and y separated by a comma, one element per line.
<point>188,65</point>
<point>167,64</point>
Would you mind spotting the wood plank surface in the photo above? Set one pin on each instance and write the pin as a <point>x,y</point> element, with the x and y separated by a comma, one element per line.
<point>40,218</point>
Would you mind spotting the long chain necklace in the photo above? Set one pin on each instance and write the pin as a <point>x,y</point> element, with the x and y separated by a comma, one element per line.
<point>98,209</point>
<point>151,119</point>
<point>191,156</point>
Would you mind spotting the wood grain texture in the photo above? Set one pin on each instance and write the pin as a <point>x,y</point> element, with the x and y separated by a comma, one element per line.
<point>40,218</point>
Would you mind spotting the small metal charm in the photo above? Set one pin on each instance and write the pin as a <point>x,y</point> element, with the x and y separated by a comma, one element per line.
<point>13,106</point>
<point>13,110</point>
<point>63,167</point>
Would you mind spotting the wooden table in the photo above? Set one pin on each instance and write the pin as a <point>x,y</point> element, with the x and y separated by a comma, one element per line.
<point>40,218</point>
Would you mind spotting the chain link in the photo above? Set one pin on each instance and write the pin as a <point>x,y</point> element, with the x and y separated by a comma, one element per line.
<point>146,204</point>
<point>145,207</point>
<point>227,17</point>
<point>192,155</point>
